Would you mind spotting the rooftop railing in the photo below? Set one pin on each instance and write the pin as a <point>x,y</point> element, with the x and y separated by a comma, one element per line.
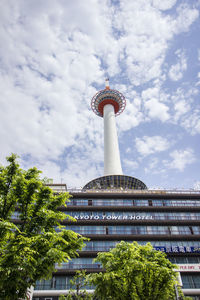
<point>150,191</point>
<point>60,188</point>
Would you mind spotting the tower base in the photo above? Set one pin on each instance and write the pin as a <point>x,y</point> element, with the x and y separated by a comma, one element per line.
<point>120,182</point>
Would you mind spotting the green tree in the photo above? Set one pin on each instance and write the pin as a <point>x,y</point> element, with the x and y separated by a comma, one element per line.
<point>78,290</point>
<point>134,272</point>
<point>30,247</point>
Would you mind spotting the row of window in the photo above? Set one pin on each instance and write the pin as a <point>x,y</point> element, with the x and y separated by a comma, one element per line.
<point>95,215</point>
<point>190,281</point>
<point>56,283</point>
<point>109,230</point>
<point>185,259</point>
<point>173,246</point>
<point>134,202</point>
<point>87,263</point>
<point>79,263</point>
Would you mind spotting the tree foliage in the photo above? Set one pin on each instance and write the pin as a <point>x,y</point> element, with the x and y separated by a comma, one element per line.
<point>134,272</point>
<point>78,290</point>
<point>30,247</point>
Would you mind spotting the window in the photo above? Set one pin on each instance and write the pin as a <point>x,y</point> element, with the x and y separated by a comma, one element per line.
<point>193,259</point>
<point>190,281</point>
<point>44,284</point>
<point>141,202</point>
<point>60,282</point>
<point>196,229</point>
<point>90,202</point>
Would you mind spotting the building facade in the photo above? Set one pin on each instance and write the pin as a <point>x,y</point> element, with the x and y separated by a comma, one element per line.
<point>170,220</point>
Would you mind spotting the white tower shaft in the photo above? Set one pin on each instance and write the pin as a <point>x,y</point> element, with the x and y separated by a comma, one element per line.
<point>112,163</point>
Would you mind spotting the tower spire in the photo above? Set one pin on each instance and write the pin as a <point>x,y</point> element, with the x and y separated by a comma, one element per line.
<point>107,83</point>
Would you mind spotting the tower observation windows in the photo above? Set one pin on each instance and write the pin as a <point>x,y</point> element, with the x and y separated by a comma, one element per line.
<point>110,182</point>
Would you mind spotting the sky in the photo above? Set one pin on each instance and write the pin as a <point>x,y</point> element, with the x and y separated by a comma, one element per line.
<point>56,54</point>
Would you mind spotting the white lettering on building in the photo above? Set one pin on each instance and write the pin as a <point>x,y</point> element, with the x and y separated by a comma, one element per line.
<point>112,217</point>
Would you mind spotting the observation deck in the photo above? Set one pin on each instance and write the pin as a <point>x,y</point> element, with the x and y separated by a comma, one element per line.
<point>108,96</point>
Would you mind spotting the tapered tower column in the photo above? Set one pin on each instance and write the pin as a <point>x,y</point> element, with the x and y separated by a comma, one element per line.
<point>107,104</point>
<point>112,163</point>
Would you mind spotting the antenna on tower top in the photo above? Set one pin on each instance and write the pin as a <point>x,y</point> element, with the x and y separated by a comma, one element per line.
<point>107,84</point>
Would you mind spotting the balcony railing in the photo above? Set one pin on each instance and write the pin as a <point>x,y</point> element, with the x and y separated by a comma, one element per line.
<point>133,232</point>
<point>77,266</point>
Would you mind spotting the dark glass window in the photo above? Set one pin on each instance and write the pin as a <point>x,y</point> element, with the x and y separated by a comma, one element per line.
<point>190,281</point>
<point>90,202</point>
<point>193,259</point>
<point>44,284</point>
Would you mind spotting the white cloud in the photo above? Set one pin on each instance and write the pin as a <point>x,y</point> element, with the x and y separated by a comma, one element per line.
<point>186,16</point>
<point>192,122</point>
<point>157,110</point>
<point>180,159</point>
<point>154,167</point>
<point>164,4</point>
<point>181,107</point>
<point>176,71</point>
<point>151,144</point>
<point>154,101</point>
<point>149,93</point>
<point>132,116</point>
<point>45,88</point>
<point>130,164</point>
<point>145,33</point>
<point>184,112</point>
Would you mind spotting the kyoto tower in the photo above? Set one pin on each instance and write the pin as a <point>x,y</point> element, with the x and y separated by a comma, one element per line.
<point>109,103</point>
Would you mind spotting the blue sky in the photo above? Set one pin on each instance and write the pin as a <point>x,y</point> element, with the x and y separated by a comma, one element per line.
<point>56,54</point>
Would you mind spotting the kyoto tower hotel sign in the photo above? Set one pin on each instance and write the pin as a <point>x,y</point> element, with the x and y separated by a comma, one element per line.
<point>109,103</point>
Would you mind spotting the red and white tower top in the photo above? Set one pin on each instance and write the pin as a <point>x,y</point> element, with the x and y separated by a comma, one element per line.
<point>108,96</point>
